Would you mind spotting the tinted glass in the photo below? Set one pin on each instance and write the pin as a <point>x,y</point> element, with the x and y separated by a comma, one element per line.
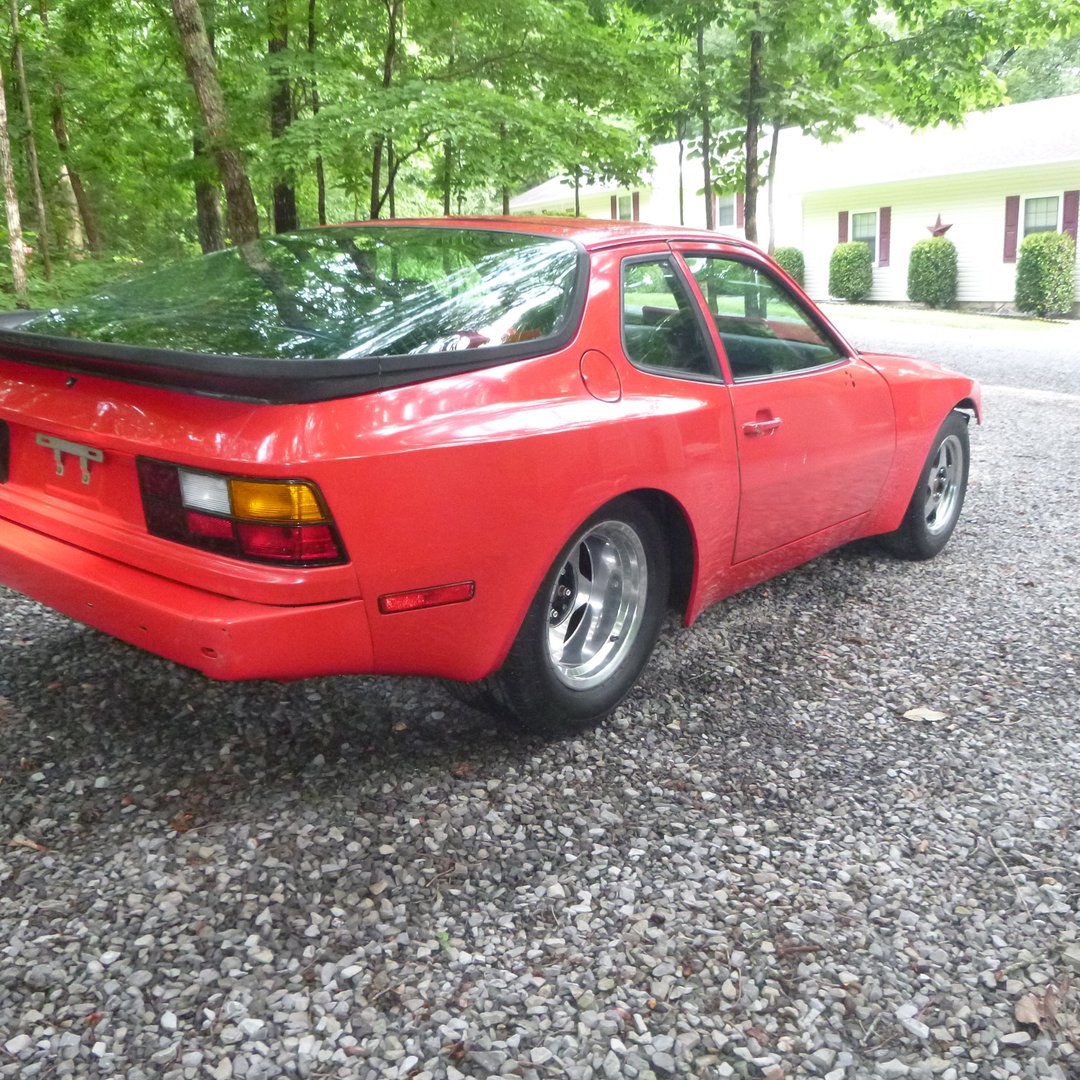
<point>763,328</point>
<point>659,326</point>
<point>341,292</point>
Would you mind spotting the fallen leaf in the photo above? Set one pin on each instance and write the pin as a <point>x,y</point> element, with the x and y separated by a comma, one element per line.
<point>1040,1007</point>
<point>463,770</point>
<point>26,842</point>
<point>923,713</point>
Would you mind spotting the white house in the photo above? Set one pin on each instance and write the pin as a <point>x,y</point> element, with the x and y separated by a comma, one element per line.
<point>993,180</point>
<point>656,199</point>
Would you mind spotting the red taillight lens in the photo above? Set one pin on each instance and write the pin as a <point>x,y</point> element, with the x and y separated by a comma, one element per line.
<point>287,543</point>
<point>214,511</point>
<point>213,528</point>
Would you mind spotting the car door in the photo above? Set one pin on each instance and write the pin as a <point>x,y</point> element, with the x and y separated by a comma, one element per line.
<point>814,425</point>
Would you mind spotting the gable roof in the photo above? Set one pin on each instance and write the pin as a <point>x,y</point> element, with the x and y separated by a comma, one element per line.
<point>1032,133</point>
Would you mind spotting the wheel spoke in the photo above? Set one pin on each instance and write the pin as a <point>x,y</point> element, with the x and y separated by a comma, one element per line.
<point>591,629</point>
<point>943,489</point>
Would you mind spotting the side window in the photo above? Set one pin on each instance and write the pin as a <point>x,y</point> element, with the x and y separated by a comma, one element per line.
<point>763,328</point>
<point>659,326</point>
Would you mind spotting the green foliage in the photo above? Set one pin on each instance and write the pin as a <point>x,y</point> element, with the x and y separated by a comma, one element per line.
<point>792,261</point>
<point>1045,71</point>
<point>73,280</point>
<point>477,99</point>
<point>932,272</point>
<point>851,275</point>
<point>1046,274</point>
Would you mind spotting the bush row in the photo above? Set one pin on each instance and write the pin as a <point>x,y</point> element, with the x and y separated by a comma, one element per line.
<point>1045,273</point>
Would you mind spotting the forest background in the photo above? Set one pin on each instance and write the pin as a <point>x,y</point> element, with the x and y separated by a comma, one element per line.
<point>137,132</point>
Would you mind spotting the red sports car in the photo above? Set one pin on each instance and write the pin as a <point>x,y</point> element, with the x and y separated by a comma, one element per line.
<point>491,450</point>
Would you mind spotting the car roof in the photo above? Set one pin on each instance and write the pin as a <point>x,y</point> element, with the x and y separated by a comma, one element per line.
<point>591,233</point>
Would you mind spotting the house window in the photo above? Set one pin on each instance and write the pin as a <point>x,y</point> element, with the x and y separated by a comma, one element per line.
<point>626,208</point>
<point>725,211</point>
<point>864,230</point>
<point>1040,215</point>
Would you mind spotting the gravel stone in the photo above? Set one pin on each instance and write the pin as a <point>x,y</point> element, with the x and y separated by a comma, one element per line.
<point>831,834</point>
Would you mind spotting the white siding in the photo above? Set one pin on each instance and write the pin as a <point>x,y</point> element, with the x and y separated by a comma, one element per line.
<point>658,194</point>
<point>975,207</point>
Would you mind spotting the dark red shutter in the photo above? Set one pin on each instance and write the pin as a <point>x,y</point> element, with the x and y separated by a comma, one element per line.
<point>841,228</point>
<point>614,207</point>
<point>740,210</point>
<point>884,234</point>
<point>636,198</point>
<point>1012,226</point>
<point>1071,211</point>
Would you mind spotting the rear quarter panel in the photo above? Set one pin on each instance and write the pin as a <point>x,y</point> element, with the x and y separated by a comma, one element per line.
<point>485,477</point>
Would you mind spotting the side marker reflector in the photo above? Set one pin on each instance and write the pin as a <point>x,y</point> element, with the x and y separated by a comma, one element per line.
<point>438,596</point>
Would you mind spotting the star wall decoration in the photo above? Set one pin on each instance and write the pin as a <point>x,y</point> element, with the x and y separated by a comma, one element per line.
<point>937,229</point>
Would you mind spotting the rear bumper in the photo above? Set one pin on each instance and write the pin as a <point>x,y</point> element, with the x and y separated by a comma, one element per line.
<point>221,637</point>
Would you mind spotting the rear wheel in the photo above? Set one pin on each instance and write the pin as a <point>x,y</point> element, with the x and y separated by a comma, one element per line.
<point>938,498</point>
<point>591,626</point>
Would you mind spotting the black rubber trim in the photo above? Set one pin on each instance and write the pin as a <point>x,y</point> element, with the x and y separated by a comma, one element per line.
<point>265,380</point>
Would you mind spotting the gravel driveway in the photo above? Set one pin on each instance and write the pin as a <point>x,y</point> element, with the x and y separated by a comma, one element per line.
<point>760,868</point>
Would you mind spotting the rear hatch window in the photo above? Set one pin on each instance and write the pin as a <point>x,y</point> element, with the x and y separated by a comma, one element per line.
<point>342,292</point>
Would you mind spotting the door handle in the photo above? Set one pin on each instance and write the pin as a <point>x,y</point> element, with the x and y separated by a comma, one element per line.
<point>761,427</point>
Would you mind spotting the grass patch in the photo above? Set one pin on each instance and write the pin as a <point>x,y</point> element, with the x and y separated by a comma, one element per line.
<point>912,316</point>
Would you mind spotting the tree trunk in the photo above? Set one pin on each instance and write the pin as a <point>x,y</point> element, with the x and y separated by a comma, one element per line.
<point>682,184</point>
<point>207,203</point>
<point>243,218</point>
<point>753,125</point>
<point>11,204</point>
<point>82,200</point>
<point>285,215</point>
<point>78,191</point>
<point>772,176</point>
<point>376,177</point>
<point>320,172</point>
<point>577,193</point>
<point>76,238</point>
<point>392,168</point>
<point>393,16</point>
<point>706,128</point>
<point>447,176</point>
<point>31,143</point>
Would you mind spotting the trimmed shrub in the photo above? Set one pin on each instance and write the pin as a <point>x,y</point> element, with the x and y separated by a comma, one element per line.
<point>792,263</point>
<point>851,275</point>
<point>931,276</point>
<point>1046,274</point>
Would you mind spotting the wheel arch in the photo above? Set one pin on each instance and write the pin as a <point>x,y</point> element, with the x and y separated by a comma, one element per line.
<point>971,406</point>
<point>678,534</point>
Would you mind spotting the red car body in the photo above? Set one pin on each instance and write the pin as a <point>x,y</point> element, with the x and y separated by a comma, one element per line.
<point>470,482</point>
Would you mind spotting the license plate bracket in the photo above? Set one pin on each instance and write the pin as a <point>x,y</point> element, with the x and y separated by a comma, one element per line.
<point>60,447</point>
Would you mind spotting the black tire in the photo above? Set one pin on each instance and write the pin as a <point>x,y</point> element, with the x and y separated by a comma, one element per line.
<point>573,661</point>
<point>938,498</point>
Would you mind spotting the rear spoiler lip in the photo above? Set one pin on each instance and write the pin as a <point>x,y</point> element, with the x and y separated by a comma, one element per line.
<point>256,379</point>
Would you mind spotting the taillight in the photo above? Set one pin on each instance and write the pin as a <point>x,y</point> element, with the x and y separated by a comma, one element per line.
<point>274,521</point>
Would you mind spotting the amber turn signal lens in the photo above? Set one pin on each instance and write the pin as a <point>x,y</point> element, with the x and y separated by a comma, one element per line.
<point>255,500</point>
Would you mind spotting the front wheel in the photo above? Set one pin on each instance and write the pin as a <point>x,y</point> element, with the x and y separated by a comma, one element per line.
<point>938,498</point>
<point>591,626</point>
